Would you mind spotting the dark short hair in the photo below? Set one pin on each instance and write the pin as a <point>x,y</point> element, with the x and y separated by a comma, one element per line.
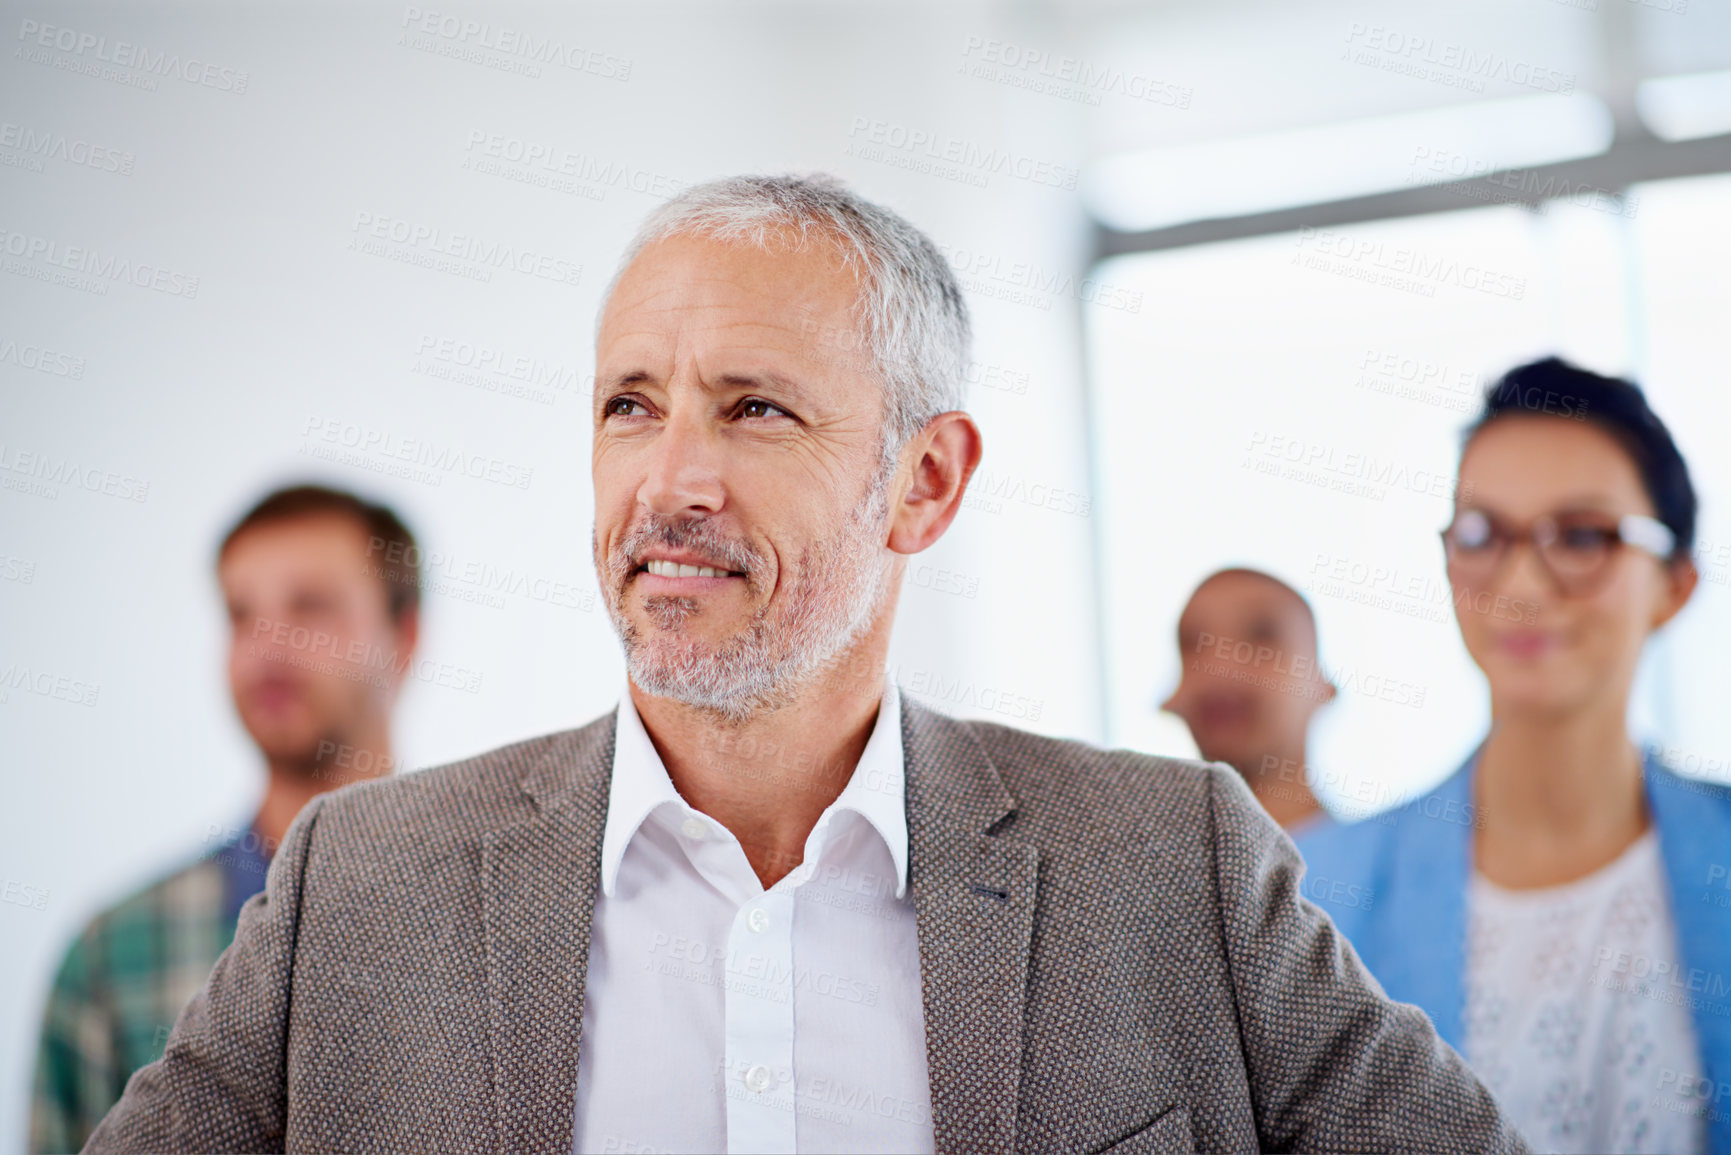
<point>387,535</point>
<point>1554,388</point>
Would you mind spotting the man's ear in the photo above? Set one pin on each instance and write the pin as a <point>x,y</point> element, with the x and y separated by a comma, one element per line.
<point>938,462</point>
<point>408,628</point>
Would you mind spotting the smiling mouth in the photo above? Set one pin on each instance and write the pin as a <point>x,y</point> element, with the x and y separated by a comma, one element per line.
<point>673,569</point>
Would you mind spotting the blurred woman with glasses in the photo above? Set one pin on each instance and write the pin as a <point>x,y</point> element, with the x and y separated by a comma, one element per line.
<point>1559,905</point>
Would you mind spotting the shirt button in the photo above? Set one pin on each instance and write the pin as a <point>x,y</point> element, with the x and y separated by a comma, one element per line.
<point>694,830</point>
<point>758,920</point>
<point>757,1079</point>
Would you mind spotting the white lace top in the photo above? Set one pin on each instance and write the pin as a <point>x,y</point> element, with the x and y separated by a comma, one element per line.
<point>1571,1018</point>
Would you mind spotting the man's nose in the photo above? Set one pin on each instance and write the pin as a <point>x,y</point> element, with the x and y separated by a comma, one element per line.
<point>684,470</point>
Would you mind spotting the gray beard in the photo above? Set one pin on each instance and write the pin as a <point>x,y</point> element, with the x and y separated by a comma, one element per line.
<point>784,647</point>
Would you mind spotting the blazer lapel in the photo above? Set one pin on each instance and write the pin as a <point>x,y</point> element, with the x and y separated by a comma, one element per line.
<point>974,906</point>
<point>538,886</point>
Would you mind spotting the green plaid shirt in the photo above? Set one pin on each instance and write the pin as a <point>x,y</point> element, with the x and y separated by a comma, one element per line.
<point>122,986</point>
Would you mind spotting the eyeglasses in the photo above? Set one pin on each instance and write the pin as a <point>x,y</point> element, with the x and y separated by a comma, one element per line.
<point>1574,548</point>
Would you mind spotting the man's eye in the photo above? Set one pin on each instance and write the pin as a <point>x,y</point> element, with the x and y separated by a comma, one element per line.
<point>758,407</point>
<point>624,407</point>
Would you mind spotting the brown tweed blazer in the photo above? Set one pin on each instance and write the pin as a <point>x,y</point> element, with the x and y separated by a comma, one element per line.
<point>1114,953</point>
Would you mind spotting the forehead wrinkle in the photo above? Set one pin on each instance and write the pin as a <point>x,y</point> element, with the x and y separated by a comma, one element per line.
<point>786,366</point>
<point>735,332</point>
<point>779,382</point>
<point>649,345</point>
<point>694,277</point>
<point>670,327</point>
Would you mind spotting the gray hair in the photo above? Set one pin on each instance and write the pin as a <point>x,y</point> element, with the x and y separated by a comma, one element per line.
<point>916,328</point>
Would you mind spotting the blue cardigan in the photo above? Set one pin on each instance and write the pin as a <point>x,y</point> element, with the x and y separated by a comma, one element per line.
<point>1396,885</point>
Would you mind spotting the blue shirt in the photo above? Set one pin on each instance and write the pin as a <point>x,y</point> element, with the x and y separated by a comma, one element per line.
<point>244,865</point>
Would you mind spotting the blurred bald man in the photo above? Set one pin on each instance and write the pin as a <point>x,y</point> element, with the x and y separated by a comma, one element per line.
<point>1250,684</point>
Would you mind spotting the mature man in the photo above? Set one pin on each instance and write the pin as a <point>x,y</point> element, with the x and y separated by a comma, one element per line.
<point>899,932</point>
<point>304,562</point>
<point>1249,683</point>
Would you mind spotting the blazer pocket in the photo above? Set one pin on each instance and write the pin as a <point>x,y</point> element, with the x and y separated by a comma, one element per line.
<point>1165,1133</point>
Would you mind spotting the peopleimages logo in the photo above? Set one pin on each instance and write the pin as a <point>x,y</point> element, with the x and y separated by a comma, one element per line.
<point>1413,595</point>
<point>1703,1095</point>
<point>43,144</point>
<point>555,161</point>
<point>20,894</point>
<point>1025,282</point>
<point>515,42</point>
<point>437,242</point>
<point>1420,379</point>
<point>988,492</point>
<point>1532,185</point>
<point>438,460</point>
<point>357,660</point>
<point>45,470</point>
<point>132,57</point>
<point>471,579</point>
<point>1400,266</point>
<point>969,156</point>
<point>1069,77</point>
<point>1272,452</point>
<point>61,687</point>
<point>40,359</point>
<point>92,263</point>
<point>1456,65</point>
<point>510,364</point>
<point>1297,674</point>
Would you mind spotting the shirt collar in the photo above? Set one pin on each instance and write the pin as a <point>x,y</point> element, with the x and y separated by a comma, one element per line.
<point>877,790</point>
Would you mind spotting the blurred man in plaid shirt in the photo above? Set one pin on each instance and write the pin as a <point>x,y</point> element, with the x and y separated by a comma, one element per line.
<point>323,599</point>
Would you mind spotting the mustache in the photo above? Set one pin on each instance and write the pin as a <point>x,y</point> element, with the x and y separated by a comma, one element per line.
<point>698,535</point>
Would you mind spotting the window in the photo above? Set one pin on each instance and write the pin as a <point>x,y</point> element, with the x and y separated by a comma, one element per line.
<point>1294,403</point>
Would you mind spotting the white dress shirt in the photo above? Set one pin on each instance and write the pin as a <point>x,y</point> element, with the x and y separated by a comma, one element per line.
<point>718,1016</point>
